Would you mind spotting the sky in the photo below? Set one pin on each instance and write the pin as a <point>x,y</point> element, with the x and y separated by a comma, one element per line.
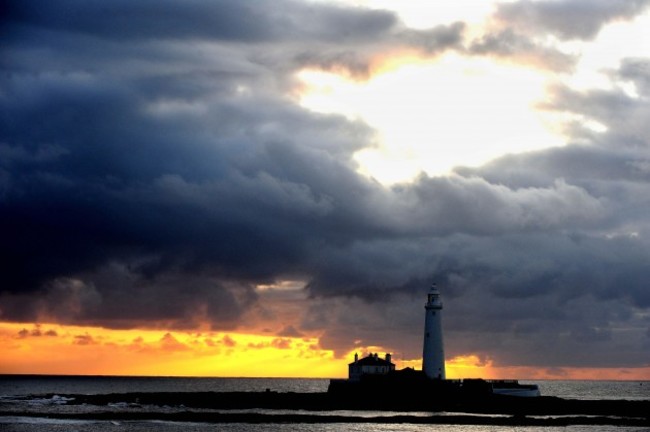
<point>264,188</point>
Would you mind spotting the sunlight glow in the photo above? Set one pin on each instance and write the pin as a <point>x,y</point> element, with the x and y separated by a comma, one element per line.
<point>471,366</point>
<point>435,115</point>
<point>468,366</point>
<point>75,350</point>
<point>58,349</point>
<point>283,285</point>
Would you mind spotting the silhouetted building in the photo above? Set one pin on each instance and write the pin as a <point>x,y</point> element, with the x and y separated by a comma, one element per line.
<point>371,365</point>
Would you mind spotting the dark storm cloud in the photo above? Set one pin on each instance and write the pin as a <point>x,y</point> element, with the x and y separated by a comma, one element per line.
<point>136,179</point>
<point>120,298</point>
<point>217,20</point>
<point>123,143</point>
<point>505,297</point>
<point>153,171</point>
<point>567,19</point>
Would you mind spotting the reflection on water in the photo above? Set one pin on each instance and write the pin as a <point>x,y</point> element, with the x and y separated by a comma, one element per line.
<point>50,425</point>
<point>637,390</point>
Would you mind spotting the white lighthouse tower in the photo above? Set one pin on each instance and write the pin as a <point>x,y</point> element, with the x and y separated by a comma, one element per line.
<point>433,355</point>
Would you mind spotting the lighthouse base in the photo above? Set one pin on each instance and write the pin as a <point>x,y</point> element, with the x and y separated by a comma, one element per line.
<point>405,387</point>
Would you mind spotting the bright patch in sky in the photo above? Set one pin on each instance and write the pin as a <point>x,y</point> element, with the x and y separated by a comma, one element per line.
<point>614,43</point>
<point>60,349</point>
<point>425,14</point>
<point>283,285</point>
<point>433,116</point>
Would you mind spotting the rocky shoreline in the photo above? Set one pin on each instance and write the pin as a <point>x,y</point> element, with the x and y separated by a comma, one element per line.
<point>274,407</point>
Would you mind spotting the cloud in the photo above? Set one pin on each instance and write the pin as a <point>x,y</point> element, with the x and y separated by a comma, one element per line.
<point>84,339</point>
<point>359,60</point>
<point>154,171</point>
<point>567,19</point>
<point>503,297</point>
<point>290,332</point>
<point>515,47</point>
<point>228,341</point>
<point>636,71</point>
<point>281,343</point>
<point>169,343</point>
<point>277,343</point>
<point>119,298</point>
<point>35,332</point>
<point>220,20</point>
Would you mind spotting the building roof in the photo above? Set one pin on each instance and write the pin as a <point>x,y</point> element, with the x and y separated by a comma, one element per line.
<point>371,360</point>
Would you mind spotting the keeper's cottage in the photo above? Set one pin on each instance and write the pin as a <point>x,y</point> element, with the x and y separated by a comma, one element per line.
<point>371,365</point>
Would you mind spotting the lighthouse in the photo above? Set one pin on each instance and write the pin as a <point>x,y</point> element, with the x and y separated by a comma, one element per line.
<point>433,354</point>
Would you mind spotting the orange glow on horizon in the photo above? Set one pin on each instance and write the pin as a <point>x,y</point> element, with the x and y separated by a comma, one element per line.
<point>75,350</point>
<point>54,349</point>
<point>471,366</point>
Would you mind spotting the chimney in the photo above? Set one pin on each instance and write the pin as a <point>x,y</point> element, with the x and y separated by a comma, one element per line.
<point>356,357</point>
<point>388,357</point>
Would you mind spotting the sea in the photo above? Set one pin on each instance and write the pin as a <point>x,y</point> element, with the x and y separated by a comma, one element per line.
<point>28,402</point>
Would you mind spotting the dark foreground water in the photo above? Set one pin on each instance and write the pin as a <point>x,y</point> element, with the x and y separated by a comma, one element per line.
<point>33,403</point>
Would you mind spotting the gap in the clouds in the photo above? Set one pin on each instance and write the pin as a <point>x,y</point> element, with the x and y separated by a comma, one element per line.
<point>433,115</point>
<point>605,54</point>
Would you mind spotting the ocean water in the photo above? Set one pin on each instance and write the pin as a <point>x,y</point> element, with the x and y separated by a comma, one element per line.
<point>27,401</point>
<point>23,385</point>
<point>19,385</point>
